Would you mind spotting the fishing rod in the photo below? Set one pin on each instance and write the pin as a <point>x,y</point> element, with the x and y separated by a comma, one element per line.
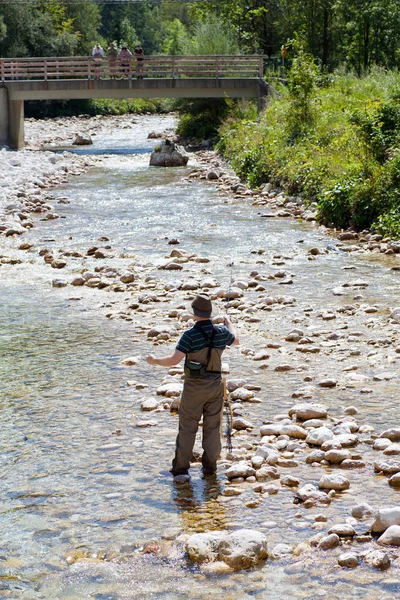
<point>227,407</point>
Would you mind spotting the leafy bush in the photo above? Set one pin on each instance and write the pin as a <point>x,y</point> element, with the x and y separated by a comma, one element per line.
<point>346,157</point>
<point>67,108</point>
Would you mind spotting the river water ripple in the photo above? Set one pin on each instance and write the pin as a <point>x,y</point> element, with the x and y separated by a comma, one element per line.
<point>69,483</point>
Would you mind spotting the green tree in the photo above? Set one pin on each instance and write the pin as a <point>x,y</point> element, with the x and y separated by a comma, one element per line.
<point>212,36</point>
<point>177,38</point>
<point>36,30</point>
<point>86,17</point>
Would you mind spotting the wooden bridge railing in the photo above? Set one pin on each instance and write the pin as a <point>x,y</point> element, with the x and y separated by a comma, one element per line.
<point>87,67</point>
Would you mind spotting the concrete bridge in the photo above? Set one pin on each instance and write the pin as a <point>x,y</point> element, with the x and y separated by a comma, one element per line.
<point>65,78</point>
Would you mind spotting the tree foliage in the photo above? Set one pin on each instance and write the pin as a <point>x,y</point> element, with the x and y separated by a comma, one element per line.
<point>353,33</point>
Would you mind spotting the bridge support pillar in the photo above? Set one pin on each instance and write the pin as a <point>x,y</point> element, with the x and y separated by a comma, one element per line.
<point>11,121</point>
<point>16,136</point>
<point>3,117</point>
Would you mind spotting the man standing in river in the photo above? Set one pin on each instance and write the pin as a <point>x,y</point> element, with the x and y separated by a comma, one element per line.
<point>203,391</point>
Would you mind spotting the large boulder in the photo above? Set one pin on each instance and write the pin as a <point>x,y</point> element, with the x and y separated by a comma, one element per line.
<point>168,154</point>
<point>240,549</point>
<point>82,139</point>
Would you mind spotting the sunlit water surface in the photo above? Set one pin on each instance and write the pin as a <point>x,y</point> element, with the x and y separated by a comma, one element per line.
<point>68,481</point>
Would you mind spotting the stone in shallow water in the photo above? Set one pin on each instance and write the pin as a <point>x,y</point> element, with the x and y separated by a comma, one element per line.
<point>391,537</point>
<point>388,467</point>
<point>149,404</point>
<point>334,481</point>
<point>385,517</point>
<point>377,559</point>
<point>348,559</point>
<point>319,435</point>
<point>59,283</point>
<point>392,434</point>
<point>240,469</point>
<point>362,510</point>
<point>394,481</point>
<point>342,530</point>
<point>329,541</point>
<point>240,549</point>
<point>307,411</point>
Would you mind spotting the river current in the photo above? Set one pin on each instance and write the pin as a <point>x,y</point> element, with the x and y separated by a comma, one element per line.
<point>78,478</point>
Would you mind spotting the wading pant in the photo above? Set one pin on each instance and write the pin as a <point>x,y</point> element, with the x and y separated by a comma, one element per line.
<point>200,397</point>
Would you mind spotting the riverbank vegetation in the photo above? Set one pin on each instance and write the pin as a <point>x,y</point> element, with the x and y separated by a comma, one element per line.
<point>333,139</point>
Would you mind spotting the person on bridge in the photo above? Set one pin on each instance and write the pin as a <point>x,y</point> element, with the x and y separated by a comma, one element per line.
<point>203,389</point>
<point>139,54</point>
<point>97,54</point>
<point>125,57</point>
<point>112,55</point>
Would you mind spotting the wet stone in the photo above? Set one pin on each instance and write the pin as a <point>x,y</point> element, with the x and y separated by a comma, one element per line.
<point>348,559</point>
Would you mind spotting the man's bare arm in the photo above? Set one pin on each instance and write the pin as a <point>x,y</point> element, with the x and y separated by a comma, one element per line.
<point>166,361</point>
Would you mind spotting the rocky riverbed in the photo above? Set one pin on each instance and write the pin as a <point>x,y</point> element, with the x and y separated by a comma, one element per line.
<point>313,386</point>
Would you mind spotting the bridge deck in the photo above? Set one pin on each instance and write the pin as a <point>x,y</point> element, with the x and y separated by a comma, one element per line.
<point>83,77</point>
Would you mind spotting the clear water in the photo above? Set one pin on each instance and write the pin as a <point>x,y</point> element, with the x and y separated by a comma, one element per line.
<point>69,483</point>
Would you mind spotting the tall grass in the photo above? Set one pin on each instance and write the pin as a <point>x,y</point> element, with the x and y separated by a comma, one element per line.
<point>346,156</point>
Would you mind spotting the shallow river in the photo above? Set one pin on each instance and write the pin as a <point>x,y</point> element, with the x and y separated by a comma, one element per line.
<point>69,483</point>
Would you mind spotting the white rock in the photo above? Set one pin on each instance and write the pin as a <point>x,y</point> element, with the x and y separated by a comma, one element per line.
<point>362,510</point>
<point>343,530</point>
<point>170,389</point>
<point>329,541</point>
<point>307,411</point>
<point>334,481</point>
<point>391,537</point>
<point>395,314</point>
<point>310,492</point>
<point>378,559</point>
<point>392,434</point>
<point>280,551</point>
<point>149,404</point>
<point>337,456</point>
<point>318,436</point>
<point>242,394</point>
<point>385,517</point>
<point>240,469</point>
<point>240,549</point>
<point>348,559</point>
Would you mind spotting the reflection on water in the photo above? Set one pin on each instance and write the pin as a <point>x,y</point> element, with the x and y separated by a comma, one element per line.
<point>77,474</point>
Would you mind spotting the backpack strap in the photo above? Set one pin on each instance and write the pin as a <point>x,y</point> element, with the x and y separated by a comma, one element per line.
<point>209,339</point>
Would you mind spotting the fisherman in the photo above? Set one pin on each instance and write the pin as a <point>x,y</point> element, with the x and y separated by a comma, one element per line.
<point>203,390</point>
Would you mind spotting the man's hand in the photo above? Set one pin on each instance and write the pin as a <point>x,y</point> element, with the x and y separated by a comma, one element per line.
<point>232,329</point>
<point>151,359</point>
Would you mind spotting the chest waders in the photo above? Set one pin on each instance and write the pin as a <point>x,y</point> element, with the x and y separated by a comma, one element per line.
<point>202,396</point>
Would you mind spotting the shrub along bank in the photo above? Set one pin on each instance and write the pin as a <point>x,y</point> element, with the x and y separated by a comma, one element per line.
<point>333,139</point>
<point>68,108</point>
